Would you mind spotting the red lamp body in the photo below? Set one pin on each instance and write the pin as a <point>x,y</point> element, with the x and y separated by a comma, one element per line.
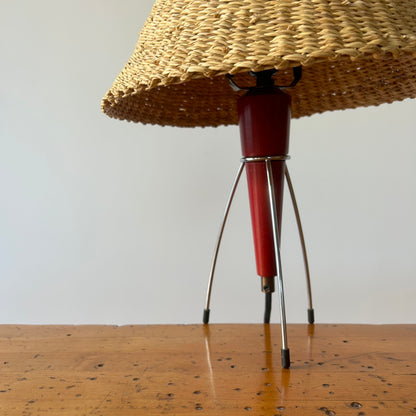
<point>264,121</point>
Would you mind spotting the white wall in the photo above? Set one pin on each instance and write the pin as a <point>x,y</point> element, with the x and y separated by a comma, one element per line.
<point>103,221</point>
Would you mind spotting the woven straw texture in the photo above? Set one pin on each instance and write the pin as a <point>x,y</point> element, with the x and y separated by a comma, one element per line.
<point>353,53</point>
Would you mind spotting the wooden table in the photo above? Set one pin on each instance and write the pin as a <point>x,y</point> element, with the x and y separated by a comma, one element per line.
<point>207,370</point>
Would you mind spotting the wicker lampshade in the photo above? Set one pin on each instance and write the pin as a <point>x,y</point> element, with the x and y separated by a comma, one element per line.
<point>353,53</point>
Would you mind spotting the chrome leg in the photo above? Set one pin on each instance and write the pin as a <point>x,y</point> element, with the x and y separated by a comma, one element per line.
<point>214,261</point>
<point>311,314</point>
<point>285,349</point>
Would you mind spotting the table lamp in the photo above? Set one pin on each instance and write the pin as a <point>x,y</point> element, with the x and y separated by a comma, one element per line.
<point>259,63</point>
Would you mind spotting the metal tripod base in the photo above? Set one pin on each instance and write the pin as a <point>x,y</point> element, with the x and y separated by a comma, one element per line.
<point>311,317</point>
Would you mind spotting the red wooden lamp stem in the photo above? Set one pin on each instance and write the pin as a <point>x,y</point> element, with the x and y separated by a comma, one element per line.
<point>264,120</point>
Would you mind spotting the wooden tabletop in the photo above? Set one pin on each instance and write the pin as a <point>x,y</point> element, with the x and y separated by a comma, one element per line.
<point>207,370</point>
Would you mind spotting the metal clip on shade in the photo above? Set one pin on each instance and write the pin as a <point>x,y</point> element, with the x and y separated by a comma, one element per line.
<point>265,76</point>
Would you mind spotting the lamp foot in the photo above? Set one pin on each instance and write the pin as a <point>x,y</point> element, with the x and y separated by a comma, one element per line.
<point>311,316</point>
<point>205,319</point>
<point>285,358</point>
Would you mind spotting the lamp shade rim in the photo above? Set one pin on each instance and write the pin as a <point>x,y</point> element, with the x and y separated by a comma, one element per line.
<point>353,53</point>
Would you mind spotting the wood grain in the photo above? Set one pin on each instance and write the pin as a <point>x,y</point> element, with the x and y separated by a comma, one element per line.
<point>208,370</point>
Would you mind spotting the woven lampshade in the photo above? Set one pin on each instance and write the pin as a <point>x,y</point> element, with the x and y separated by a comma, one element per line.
<point>353,53</point>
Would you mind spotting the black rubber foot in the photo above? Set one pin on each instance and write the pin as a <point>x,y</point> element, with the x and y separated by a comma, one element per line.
<point>311,316</point>
<point>285,358</point>
<point>268,308</point>
<point>205,319</point>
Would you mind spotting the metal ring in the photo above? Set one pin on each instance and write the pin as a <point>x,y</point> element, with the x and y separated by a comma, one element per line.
<point>264,158</point>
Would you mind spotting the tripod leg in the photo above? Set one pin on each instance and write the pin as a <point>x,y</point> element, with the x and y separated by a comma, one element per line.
<point>285,349</point>
<point>217,247</point>
<point>311,313</point>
